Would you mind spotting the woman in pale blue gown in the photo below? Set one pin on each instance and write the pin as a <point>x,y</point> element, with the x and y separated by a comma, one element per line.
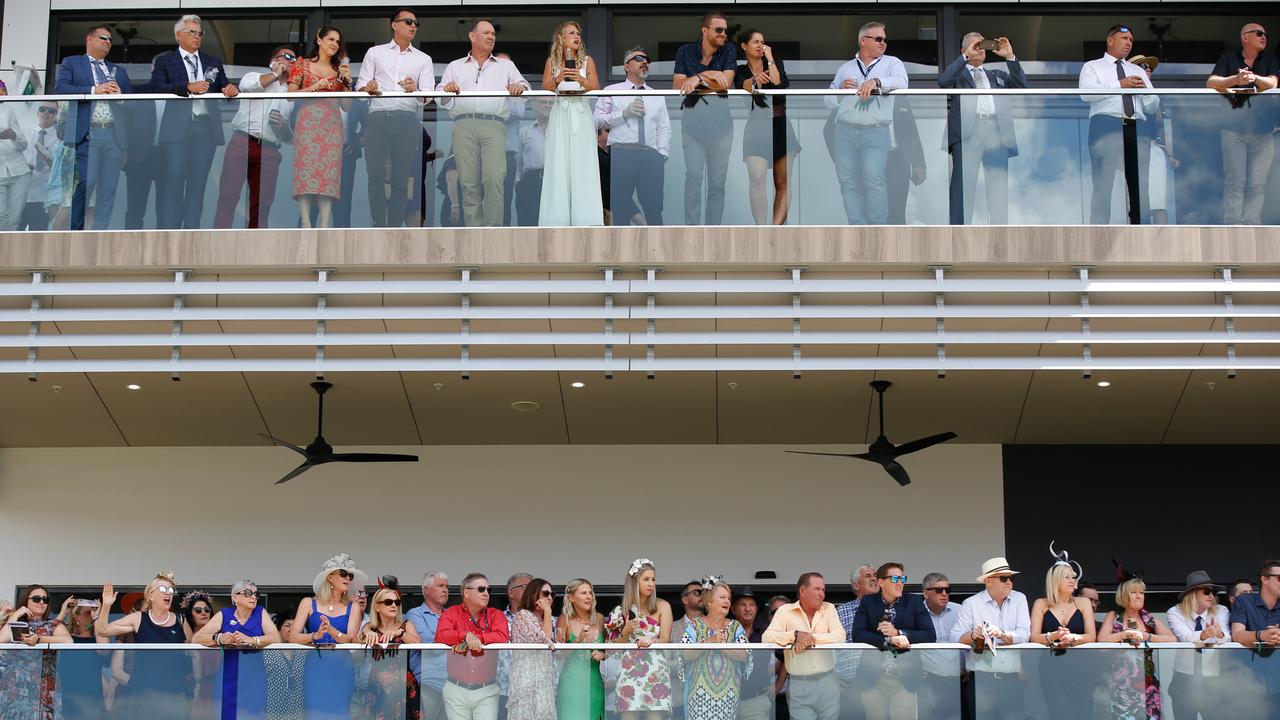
<point>571,168</point>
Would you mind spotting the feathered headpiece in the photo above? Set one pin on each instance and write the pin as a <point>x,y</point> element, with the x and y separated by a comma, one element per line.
<point>710,581</point>
<point>637,565</point>
<point>389,581</point>
<point>1062,558</point>
<point>1124,574</point>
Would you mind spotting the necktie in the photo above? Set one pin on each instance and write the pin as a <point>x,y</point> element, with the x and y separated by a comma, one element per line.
<point>1199,663</point>
<point>41,162</point>
<point>1199,624</point>
<point>986,106</point>
<point>1126,100</point>
<point>640,120</point>
<point>191,64</point>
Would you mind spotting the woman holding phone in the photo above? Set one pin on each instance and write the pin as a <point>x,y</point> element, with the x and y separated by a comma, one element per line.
<point>644,683</point>
<point>30,688</point>
<point>571,165</point>
<point>768,140</point>
<point>1135,687</point>
<point>317,141</point>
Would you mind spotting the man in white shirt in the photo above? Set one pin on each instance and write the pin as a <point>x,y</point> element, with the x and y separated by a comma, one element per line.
<point>393,129</point>
<point>996,616</point>
<point>1113,127</point>
<point>42,142</point>
<point>940,692</point>
<point>529,163</point>
<point>862,134</point>
<point>15,173</point>
<point>480,130</point>
<point>639,144</point>
<point>258,130</point>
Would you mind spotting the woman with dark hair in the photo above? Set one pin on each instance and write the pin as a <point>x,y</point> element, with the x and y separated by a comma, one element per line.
<point>533,674</point>
<point>284,675</point>
<point>317,139</point>
<point>196,608</point>
<point>80,680</point>
<point>768,140</point>
<point>31,679</point>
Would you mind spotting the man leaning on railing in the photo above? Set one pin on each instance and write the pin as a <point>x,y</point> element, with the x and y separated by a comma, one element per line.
<point>800,626</point>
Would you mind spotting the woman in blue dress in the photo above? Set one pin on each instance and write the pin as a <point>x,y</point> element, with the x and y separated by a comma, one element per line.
<point>330,618</point>
<point>158,686</point>
<point>242,630</point>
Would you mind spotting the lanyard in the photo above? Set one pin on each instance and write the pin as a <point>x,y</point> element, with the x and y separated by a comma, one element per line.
<point>866,72</point>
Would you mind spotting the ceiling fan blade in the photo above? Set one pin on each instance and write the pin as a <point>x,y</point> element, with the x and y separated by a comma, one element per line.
<point>310,463</point>
<point>371,457</point>
<point>922,443</point>
<point>848,455</point>
<point>285,443</point>
<point>897,472</point>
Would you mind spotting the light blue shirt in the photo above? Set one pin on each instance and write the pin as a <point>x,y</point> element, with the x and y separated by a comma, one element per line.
<point>1011,616</point>
<point>876,110</point>
<point>943,662</point>
<point>431,673</point>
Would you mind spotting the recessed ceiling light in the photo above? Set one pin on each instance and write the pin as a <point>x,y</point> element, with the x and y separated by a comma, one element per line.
<point>1104,383</point>
<point>578,384</point>
<point>133,386</point>
<point>526,406</point>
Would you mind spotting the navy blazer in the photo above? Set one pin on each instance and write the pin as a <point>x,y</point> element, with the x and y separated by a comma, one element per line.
<point>75,77</point>
<point>912,620</point>
<point>962,111</point>
<point>169,75</point>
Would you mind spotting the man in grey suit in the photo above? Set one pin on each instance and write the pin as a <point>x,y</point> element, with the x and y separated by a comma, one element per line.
<point>980,127</point>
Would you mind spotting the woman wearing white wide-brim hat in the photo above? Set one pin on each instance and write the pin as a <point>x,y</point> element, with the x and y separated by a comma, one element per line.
<point>327,618</point>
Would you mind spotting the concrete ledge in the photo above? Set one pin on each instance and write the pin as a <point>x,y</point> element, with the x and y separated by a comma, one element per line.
<point>721,247</point>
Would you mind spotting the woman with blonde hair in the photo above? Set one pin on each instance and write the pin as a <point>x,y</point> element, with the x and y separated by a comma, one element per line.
<point>327,618</point>
<point>644,683</point>
<point>571,164</point>
<point>581,693</point>
<point>386,697</point>
<point>1199,619</point>
<point>1135,687</point>
<point>158,682</point>
<point>1060,620</point>
<point>713,678</point>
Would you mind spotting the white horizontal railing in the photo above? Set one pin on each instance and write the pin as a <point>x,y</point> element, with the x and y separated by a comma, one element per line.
<point>1031,647</point>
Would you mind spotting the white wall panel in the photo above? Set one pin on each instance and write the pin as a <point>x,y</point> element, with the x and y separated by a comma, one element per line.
<point>212,515</point>
<point>26,36</point>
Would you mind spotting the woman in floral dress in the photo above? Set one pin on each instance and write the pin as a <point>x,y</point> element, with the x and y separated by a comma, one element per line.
<point>1135,687</point>
<point>644,682</point>
<point>29,689</point>
<point>532,691</point>
<point>714,677</point>
<point>317,138</point>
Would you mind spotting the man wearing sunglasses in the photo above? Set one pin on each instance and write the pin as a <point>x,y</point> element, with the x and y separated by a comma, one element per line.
<point>996,616</point>
<point>258,130</point>
<point>862,131</point>
<point>891,620</point>
<point>639,145</point>
<point>471,692</point>
<point>100,135</point>
<point>1248,145</point>
<point>394,126</point>
<point>941,667</point>
<point>701,69</point>
<point>42,141</point>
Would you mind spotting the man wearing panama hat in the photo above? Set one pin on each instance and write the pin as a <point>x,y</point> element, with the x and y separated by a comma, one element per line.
<point>996,616</point>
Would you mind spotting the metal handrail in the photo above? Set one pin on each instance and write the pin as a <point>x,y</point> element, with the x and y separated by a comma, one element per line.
<point>619,646</point>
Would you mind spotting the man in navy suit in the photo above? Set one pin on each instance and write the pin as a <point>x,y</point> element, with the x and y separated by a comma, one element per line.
<point>190,131</point>
<point>146,165</point>
<point>100,136</point>
<point>892,620</point>
<point>980,128</point>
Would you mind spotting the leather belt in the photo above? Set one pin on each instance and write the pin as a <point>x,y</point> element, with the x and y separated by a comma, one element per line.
<point>814,676</point>
<point>101,125</point>
<point>471,686</point>
<point>260,141</point>
<point>479,116</point>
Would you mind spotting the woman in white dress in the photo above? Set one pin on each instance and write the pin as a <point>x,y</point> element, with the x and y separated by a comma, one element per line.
<point>571,169</point>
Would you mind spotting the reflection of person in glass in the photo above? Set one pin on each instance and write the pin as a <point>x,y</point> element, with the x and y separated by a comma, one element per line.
<point>768,140</point>
<point>1248,143</point>
<point>189,131</point>
<point>241,630</point>
<point>713,678</point>
<point>569,197</point>
<point>980,128</point>
<point>158,685</point>
<point>1199,619</point>
<point>1061,620</point>
<point>317,153</point>
<point>1162,159</point>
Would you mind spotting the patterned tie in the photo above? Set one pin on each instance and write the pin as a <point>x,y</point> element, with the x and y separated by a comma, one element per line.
<point>191,63</point>
<point>41,162</point>
<point>1126,100</point>
<point>99,72</point>
<point>640,119</point>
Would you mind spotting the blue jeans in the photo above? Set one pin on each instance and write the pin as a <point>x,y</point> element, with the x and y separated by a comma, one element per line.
<point>99,159</point>
<point>861,156</point>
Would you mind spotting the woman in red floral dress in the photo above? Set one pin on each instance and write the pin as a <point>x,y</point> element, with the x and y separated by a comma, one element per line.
<point>317,141</point>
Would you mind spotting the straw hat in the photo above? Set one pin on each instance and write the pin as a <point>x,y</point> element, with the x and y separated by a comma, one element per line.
<point>1149,62</point>
<point>995,566</point>
<point>341,561</point>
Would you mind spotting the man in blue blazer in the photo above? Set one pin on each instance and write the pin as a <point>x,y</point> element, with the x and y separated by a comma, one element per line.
<point>100,133</point>
<point>980,128</point>
<point>892,620</point>
<point>190,131</point>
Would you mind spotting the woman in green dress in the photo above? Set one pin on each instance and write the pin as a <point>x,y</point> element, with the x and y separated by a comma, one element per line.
<point>581,692</point>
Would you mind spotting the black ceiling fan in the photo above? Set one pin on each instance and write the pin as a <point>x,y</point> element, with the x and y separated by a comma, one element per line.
<point>882,451</point>
<point>320,452</point>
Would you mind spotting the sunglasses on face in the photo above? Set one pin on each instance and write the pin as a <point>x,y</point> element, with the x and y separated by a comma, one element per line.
<point>194,33</point>
<point>201,610</point>
<point>345,575</point>
<point>480,588</point>
<point>287,57</point>
<point>1004,578</point>
<point>47,111</point>
<point>104,38</point>
<point>390,602</point>
<point>875,38</point>
<point>409,21</point>
<point>719,30</point>
<point>639,58</point>
<point>1259,33</point>
<point>248,593</point>
<point>166,590</point>
<point>39,599</point>
<point>939,590</point>
<point>546,594</point>
<point>895,578</point>
<point>1206,591</point>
